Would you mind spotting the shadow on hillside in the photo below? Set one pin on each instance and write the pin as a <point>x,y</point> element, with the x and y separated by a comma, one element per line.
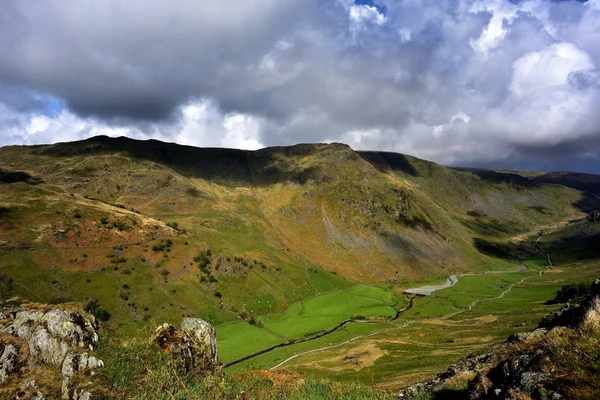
<point>540,209</point>
<point>578,242</point>
<point>18,176</point>
<point>214,164</point>
<point>584,182</point>
<point>498,250</point>
<point>486,226</point>
<point>515,180</point>
<point>385,161</point>
<point>402,246</point>
<point>587,203</point>
<point>224,166</point>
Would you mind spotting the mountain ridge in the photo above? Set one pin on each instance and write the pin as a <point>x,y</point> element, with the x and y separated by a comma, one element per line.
<point>103,204</point>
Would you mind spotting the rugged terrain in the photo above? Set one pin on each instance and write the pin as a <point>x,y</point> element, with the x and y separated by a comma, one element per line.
<point>298,255</point>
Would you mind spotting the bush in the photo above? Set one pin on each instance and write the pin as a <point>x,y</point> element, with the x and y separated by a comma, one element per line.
<point>572,291</point>
<point>158,247</point>
<point>120,225</point>
<point>204,260</point>
<point>93,307</point>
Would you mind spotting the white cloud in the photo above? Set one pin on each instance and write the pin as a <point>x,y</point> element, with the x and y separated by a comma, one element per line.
<point>538,71</point>
<point>363,13</point>
<point>453,81</point>
<point>200,124</point>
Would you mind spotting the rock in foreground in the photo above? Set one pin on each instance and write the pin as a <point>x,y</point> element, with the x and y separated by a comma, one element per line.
<point>54,342</point>
<point>193,348</point>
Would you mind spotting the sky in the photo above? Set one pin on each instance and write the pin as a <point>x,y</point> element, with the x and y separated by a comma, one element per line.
<point>486,83</point>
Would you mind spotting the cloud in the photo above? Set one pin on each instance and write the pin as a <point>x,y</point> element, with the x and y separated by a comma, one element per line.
<point>482,82</point>
<point>199,123</point>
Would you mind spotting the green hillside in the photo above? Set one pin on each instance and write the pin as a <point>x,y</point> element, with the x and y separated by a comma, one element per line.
<point>279,245</point>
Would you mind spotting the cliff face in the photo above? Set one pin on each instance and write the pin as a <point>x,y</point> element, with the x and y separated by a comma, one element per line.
<point>558,360</point>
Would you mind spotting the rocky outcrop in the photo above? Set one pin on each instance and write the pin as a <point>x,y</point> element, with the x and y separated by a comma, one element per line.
<point>194,347</point>
<point>34,337</point>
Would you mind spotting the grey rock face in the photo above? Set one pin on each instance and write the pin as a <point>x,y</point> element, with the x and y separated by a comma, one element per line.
<point>203,334</point>
<point>194,346</point>
<point>53,334</point>
<point>74,363</point>
<point>56,337</point>
<point>8,361</point>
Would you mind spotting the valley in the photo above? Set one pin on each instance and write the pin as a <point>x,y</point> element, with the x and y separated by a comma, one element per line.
<point>313,258</point>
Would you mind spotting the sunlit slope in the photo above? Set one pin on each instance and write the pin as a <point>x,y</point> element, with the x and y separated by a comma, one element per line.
<point>162,230</point>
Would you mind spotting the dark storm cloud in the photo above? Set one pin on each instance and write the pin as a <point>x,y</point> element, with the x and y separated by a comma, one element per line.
<point>139,59</point>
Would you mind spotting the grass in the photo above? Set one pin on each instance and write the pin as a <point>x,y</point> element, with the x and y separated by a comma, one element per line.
<point>384,295</point>
<point>240,339</point>
<point>423,343</point>
<point>326,234</point>
<point>347,332</point>
<point>322,312</point>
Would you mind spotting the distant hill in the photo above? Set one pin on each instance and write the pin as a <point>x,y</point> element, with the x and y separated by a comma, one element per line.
<point>160,230</point>
<point>584,182</point>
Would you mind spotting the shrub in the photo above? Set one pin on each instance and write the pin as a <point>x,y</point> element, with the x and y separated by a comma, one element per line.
<point>204,260</point>
<point>158,247</point>
<point>120,225</point>
<point>93,307</point>
<point>572,291</point>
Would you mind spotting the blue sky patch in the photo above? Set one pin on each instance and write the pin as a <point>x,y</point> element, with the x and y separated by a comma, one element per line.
<point>379,8</point>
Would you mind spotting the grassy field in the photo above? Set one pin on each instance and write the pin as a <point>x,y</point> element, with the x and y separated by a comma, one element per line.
<point>440,329</point>
<point>323,312</point>
<point>240,339</point>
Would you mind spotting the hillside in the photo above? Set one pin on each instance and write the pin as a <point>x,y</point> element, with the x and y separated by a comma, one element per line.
<point>287,222</point>
<point>287,250</point>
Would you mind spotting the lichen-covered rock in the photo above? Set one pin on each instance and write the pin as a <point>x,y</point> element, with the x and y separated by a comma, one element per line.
<point>77,363</point>
<point>60,337</point>
<point>194,347</point>
<point>525,336</point>
<point>203,335</point>
<point>52,334</point>
<point>9,361</point>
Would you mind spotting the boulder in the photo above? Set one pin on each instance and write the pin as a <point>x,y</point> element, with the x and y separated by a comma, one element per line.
<point>525,336</point>
<point>203,335</point>
<point>194,347</point>
<point>9,361</point>
<point>57,336</point>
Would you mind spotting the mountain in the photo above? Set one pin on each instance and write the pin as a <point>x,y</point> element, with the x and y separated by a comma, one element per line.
<point>157,230</point>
